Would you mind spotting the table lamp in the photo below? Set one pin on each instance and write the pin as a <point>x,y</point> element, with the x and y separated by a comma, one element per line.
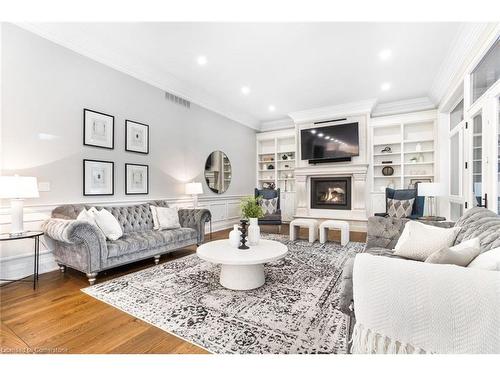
<point>17,188</point>
<point>431,190</point>
<point>194,189</point>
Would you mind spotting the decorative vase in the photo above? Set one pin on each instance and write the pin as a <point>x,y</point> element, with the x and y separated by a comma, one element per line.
<point>253,232</point>
<point>243,229</point>
<point>284,157</point>
<point>388,171</point>
<point>234,236</point>
<point>418,147</point>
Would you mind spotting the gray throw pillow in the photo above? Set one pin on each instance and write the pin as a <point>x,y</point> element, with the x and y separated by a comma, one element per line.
<point>269,206</point>
<point>399,208</point>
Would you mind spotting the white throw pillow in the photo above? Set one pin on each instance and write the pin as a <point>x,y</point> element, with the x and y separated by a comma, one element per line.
<point>489,260</point>
<point>108,224</point>
<point>459,255</point>
<point>419,240</point>
<point>87,216</point>
<point>168,217</point>
<point>156,225</point>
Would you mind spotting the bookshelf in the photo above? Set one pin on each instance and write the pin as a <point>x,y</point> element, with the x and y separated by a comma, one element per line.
<point>411,142</point>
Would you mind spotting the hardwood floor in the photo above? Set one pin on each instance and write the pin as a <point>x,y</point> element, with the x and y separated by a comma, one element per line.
<point>58,318</point>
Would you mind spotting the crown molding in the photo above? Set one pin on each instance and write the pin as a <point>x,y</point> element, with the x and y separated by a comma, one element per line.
<point>462,49</point>
<point>334,111</point>
<point>285,123</point>
<point>155,77</point>
<point>403,106</point>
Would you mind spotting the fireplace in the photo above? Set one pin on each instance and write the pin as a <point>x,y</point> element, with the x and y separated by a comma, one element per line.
<point>331,193</point>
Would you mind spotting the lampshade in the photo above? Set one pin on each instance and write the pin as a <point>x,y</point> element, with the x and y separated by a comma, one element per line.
<point>430,189</point>
<point>194,188</point>
<point>18,187</point>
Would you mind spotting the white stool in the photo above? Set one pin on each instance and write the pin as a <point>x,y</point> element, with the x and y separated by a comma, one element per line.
<point>296,224</point>
<point>334,224</point>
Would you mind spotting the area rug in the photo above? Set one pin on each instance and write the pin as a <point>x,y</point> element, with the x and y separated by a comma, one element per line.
<point>294,312</point>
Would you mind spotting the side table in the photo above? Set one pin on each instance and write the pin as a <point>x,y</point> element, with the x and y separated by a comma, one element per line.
<point>36,260</point>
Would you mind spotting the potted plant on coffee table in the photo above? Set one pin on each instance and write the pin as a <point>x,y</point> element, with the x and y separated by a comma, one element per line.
<point>252,210</point>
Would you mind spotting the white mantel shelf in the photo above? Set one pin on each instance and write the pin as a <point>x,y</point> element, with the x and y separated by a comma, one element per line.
<point>332,170</point>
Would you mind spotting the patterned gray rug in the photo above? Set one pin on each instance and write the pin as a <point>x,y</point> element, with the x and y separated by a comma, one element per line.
<point>294,312</point>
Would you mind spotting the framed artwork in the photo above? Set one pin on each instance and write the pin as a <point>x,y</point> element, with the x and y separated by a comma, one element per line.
<point>98,129</point>
<point>136,137</point>
<point>136,179</point>
<point>415,181</point>
<point>98,177</point>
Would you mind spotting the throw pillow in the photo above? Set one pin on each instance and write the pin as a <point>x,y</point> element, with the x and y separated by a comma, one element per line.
<point>419,240</point>
<point>156,225</point>
<point>269,206</point>
<point>108,224</point>
<point>87,216</point>
<point>459,255</point>
<point>400,208</point>
<point>168,217</point>
<point>489,260</point>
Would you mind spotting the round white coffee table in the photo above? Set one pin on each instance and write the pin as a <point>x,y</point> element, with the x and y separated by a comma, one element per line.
<point>241,269</point>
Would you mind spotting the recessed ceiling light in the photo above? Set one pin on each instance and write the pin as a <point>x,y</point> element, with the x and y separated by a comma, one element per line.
<point>245,90</point>
<point>272,108</point>
<point>385,54</point>
<point>320,135</point>
<point>202,60</point>
<point>313,131</point>
<point>327,137</point>
<point>385,86</point>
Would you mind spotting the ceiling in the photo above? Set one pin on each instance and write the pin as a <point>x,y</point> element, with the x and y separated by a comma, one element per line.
<point>292,66</point>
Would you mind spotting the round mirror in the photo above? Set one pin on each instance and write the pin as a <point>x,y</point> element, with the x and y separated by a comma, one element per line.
<point>218,172</point>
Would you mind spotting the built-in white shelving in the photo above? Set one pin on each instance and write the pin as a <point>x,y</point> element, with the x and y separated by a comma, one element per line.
<point>276,162</point>
<point>411,139</point>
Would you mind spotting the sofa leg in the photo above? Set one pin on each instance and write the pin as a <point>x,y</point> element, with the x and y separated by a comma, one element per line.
<point>279,229</point>
<point>62,267</point>
<point>157,259</point>
<point>91,277</point>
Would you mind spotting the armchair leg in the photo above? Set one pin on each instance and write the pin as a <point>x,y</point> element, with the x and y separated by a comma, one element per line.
<point>157,259</point>
<point>92,276</point>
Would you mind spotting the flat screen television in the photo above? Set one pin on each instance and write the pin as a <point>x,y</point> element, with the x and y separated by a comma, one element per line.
<point>330,142</point>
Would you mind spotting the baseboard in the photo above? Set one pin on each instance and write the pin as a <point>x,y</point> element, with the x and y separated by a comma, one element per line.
<point>19,266</point>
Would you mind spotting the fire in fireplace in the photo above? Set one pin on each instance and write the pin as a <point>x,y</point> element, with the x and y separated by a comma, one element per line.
<point>333,193</point>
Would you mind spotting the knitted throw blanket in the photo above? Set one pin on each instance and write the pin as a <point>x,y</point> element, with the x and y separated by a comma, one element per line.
<point>404,306</point>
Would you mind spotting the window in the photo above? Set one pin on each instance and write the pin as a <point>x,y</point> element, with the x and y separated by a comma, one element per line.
<point>477,161</point>
<point>455,164</point>
<point>486,72</point>
<point>498,158</point>
<point>457,115</point>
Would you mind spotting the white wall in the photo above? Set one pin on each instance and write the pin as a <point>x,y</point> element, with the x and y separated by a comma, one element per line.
<point>44,90</point>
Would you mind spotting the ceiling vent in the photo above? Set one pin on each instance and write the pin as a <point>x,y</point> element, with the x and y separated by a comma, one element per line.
<point>177,100</point>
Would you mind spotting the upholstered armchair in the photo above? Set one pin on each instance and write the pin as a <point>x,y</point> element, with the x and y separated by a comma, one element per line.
<point>270,219</point>
<point>402,194</point>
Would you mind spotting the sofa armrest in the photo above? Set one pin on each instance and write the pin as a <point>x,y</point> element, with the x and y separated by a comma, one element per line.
<point>407,306</point>
<point>195,219</point>
<point>76,243</point>
<point>384,231</point>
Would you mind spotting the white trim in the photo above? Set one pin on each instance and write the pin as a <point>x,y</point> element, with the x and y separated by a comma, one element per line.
<point>403,106</point>
<point>286,123</point>
<point>332,112</point>
<point>168,82</point>
<point>464,44</point>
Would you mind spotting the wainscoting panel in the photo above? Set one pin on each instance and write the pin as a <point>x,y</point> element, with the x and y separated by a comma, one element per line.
<point>16,257</point>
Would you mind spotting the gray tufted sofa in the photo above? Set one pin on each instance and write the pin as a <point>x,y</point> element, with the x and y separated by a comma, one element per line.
<point>384,232</point>
<point>82,246</point>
